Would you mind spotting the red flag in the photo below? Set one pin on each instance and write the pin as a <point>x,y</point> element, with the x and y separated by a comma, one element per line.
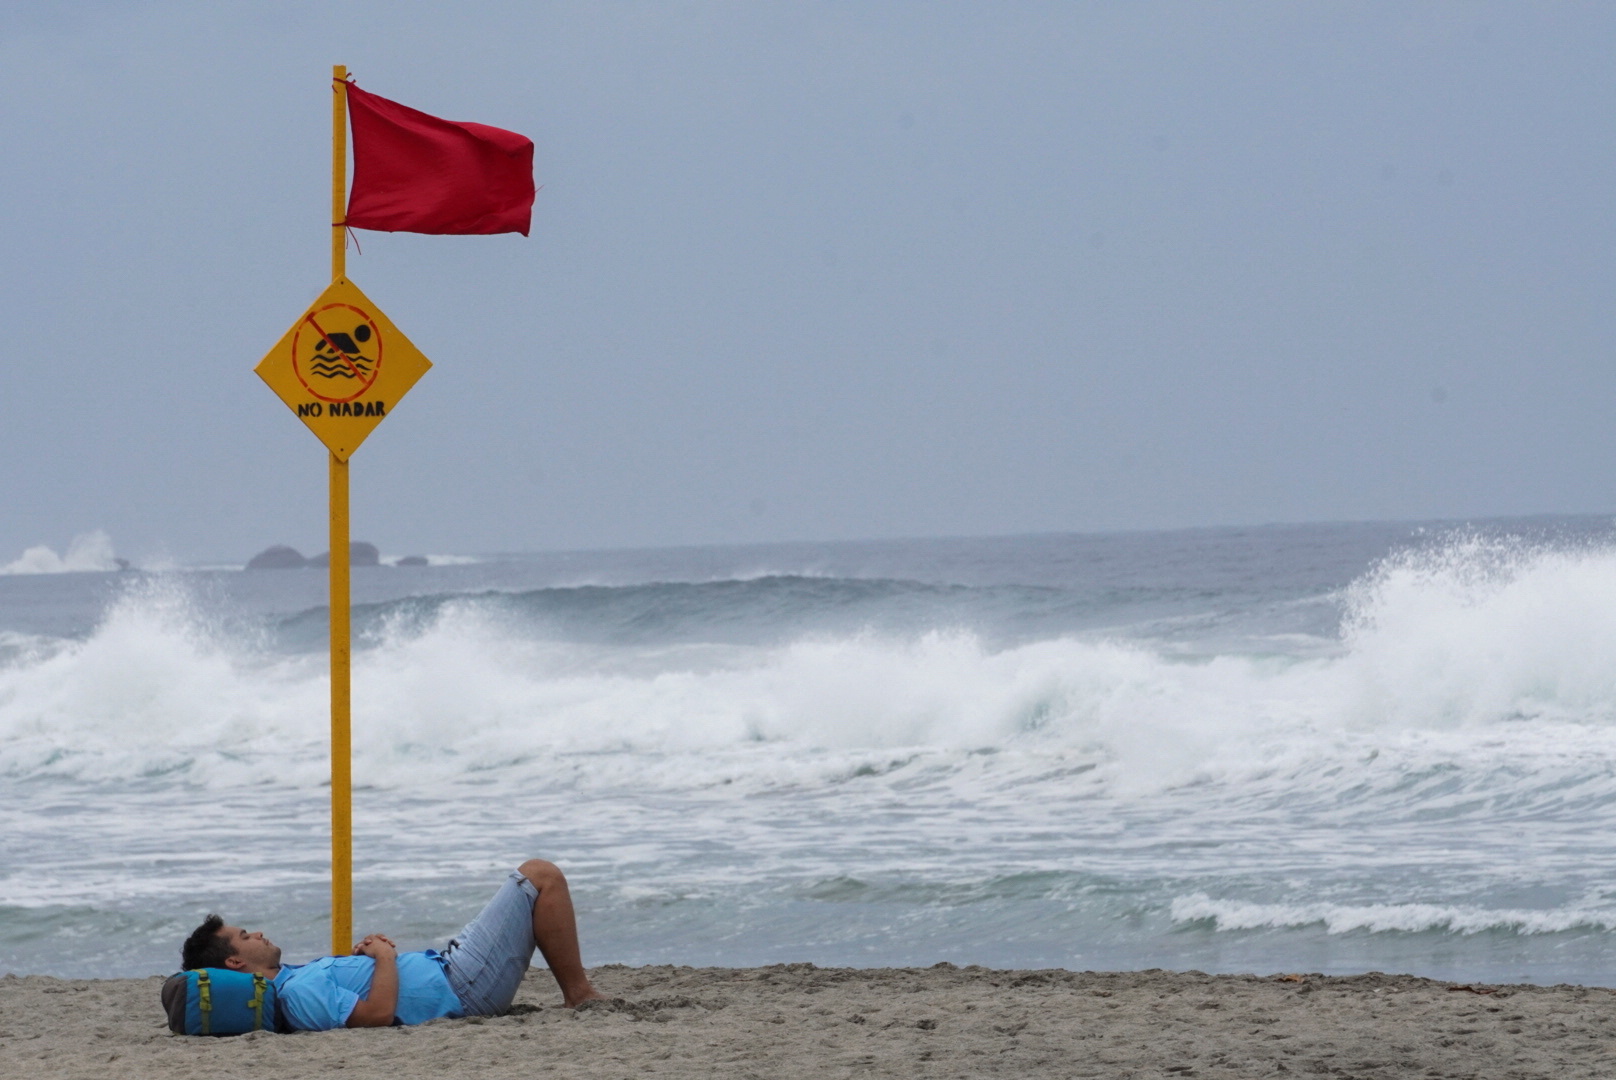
<point>417,173</point>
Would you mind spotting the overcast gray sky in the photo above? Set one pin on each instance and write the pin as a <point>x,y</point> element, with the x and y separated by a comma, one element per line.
<point>811,271</point>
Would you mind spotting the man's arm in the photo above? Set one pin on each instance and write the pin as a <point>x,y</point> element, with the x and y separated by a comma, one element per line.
<point>377,1008</point>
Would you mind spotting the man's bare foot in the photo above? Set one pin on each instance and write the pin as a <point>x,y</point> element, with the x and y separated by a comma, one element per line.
<point>572,1001</point>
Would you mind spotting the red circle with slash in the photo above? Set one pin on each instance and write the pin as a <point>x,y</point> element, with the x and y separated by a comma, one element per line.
<point>343,347</point>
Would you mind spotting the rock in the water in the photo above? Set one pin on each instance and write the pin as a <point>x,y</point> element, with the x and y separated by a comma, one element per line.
<point>359,554</point>
<point>412,560</point>
<point>278,557</point>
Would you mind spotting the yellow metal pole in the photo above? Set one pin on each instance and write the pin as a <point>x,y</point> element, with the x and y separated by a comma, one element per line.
<point>341,693</point>
<point>341,700</point>
<point>339,169</point>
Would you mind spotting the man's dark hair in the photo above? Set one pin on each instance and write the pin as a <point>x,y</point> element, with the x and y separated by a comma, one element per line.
<point>205,948</point>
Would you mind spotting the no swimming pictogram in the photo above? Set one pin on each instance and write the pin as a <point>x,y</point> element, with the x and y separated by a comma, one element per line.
<point>337,364</point>
<point>342,367</point>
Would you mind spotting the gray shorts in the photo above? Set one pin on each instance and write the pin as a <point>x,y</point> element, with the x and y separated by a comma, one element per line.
<point>485,962</point>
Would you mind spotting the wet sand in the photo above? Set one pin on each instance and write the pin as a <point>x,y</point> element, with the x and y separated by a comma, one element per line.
<point>801,1021</point>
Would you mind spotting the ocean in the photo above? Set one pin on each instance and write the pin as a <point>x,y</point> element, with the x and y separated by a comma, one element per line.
<point>1332,748</point>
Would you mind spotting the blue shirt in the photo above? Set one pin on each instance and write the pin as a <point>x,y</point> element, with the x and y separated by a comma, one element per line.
<point>319,995</point>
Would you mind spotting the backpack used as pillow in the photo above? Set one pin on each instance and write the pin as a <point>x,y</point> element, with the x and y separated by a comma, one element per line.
<point>218,1001</point>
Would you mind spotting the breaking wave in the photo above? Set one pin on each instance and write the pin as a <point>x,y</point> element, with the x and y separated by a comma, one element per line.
<point>1389,918</point>
<point>91,551</point>
<point>1486,656</point>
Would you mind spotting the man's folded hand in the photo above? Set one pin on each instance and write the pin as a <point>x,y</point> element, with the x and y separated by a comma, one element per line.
<point>376,946</point>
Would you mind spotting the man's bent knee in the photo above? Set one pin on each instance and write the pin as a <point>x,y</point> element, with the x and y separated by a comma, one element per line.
<point>541,873</point>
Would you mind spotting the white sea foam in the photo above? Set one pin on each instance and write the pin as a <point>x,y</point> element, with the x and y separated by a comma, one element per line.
<point>152,690</point>
<point>431,560</point>
<point>91,551</point>
<point>1388,918</point>
<point>1482,631</point>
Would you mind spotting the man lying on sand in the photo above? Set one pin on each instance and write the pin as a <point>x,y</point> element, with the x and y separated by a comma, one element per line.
<point>476,975</point>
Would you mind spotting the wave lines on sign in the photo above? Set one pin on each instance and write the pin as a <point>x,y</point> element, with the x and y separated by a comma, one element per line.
<point>339,371</point>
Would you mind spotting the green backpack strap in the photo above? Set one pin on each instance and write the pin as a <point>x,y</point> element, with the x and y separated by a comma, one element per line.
<point>204,998</point>
<point>257,1002</point>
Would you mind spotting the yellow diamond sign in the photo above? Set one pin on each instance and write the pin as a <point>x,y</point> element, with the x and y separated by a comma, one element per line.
<point>342,367</point>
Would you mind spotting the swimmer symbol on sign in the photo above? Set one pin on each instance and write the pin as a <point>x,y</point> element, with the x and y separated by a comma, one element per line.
<point>337,352</point>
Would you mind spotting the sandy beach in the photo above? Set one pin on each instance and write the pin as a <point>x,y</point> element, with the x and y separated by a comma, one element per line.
<point>799,1020</point>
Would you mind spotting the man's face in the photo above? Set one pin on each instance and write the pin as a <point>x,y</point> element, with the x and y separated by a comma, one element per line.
<point>254,951</point>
